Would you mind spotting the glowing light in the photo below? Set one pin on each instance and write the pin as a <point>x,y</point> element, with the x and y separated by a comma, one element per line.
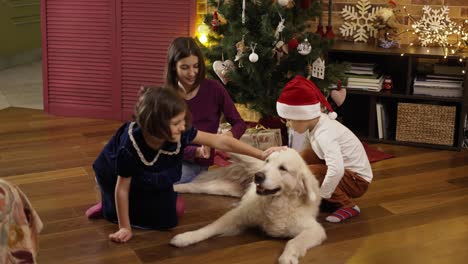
<point>203,39</point>
<point>203,29</point>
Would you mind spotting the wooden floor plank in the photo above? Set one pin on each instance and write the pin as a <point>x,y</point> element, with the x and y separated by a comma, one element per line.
<point>414,212</point>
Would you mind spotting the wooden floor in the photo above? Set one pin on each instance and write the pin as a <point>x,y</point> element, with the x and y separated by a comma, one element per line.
<point>416,210</point>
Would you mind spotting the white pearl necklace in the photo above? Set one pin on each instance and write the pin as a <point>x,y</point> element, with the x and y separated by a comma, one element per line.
<point>160,151</point>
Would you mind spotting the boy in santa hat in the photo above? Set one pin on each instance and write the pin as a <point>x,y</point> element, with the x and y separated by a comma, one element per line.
<point>335,155</point>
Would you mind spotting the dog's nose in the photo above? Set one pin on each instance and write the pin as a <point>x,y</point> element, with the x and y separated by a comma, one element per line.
<point>259,177</point>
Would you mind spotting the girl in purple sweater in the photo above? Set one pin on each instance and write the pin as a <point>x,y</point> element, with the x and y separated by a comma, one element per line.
<point>207,100</point>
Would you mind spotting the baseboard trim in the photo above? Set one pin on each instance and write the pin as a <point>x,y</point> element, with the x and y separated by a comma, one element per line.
<point>22,58</point>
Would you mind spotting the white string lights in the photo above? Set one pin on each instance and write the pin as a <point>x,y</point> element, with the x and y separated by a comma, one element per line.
<point>436,28</point>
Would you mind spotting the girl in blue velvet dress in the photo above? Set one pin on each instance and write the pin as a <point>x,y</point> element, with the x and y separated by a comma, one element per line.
<point>138,166</point>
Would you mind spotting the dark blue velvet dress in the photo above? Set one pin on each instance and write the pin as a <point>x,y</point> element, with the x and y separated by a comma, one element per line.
<point>152,200</point>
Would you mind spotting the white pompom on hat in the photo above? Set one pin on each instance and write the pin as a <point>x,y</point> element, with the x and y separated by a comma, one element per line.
<point>302,100</point>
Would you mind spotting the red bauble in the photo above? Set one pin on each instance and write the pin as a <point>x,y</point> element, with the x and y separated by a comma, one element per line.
<point>305,4</point>
<point>215,21</point>
<point>292,44</point>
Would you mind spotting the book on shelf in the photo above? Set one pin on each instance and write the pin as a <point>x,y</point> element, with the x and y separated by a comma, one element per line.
<point>360,71</point>
<point>438,84</point>
<point>448,70</point>
<point>382,121</point>
<point>428,81</point>
<point>365,85</point>
<point>385,122</point>
<point>361,68</point>
<point>362,64</point>
<point>378,108</point>
<point>439,78</point>
<point>438,91</point>
<point>375,78</point>
<point>362,88</point>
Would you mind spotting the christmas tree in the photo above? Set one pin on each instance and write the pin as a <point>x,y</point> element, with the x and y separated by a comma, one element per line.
<point>257,46</point>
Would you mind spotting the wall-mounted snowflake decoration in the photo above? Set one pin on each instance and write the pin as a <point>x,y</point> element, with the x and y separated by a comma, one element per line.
<point>434,27</point>
<point>359,21</point>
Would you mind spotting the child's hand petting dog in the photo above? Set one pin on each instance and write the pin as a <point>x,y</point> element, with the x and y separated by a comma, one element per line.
<point>270,150</point>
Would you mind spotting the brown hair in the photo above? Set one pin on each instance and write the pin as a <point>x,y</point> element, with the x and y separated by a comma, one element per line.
<point>155,109</point>
<point>180,48</point>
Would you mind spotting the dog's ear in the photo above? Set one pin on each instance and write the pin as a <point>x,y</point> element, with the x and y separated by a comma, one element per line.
<point>309,185</point>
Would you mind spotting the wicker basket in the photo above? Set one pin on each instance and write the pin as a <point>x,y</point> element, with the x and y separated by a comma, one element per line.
<point>247,114</point>
<point>424,123</point>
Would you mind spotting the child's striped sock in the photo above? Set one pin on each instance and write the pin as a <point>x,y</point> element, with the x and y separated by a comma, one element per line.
<point>343,214</point>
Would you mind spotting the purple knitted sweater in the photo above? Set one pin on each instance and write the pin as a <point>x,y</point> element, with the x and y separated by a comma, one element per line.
<point>206,108</point>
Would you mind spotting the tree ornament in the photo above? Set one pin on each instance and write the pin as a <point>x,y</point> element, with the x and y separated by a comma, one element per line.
<point>241,48</point>
<point>222,68</point>
<point>279,28</point>
<point>283,3</point>
<point>304,48</point>
<point>318,69</point>
<point>215,21</point>
<point>292,44</point>
<point>280,49</point>
<point>253,57</point>
<point>261,21</point>
<point>338,95</point>
<point>360,24</point>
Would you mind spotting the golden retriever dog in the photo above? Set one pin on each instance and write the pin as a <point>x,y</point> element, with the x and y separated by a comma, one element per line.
<point>283,200</point>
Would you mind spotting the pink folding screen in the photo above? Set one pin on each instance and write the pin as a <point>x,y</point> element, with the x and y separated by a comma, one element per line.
<point>97,53</point>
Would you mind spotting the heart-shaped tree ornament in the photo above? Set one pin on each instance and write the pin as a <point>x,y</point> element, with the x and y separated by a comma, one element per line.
<point>222,68</point>
<point>338,96</point>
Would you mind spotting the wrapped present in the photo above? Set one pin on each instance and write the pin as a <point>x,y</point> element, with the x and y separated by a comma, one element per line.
<point>224,127</point>
<point>262,138</point>
<point>247,114</point>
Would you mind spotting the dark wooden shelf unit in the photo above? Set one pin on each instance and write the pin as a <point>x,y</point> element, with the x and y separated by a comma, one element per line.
<point>359,110</point>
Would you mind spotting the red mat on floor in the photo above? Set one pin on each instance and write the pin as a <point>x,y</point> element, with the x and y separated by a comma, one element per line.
<point>375,155</point>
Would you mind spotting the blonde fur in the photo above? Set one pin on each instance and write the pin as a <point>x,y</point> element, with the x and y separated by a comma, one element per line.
<point>283,201</point>
<point>233,180</point>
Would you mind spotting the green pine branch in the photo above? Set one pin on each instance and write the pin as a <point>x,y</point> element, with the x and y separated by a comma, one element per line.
<point>259,84</point>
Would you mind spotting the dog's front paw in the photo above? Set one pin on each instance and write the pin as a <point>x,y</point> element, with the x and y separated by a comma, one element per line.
<point>288,259</point>
<point>182,240</point>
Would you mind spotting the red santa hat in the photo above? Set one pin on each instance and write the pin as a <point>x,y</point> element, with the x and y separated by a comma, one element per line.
<point>302,100</point>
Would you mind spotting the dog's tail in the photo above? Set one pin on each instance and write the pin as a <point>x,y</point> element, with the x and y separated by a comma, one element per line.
<point>251,164</point>
<point>241,170</point>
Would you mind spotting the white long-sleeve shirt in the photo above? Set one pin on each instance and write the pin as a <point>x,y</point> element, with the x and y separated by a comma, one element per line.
<point>341,149</point>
